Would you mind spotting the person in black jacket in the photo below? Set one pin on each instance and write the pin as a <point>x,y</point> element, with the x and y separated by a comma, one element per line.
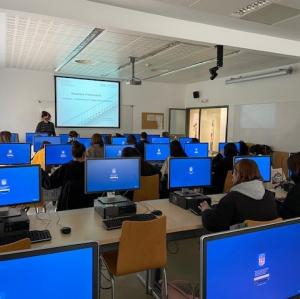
<point>70,177</point>
<point>45,126</point>
<point>221,166</point>
<point>247,200</point>
<point>290,207</point>
<point>141,145</point>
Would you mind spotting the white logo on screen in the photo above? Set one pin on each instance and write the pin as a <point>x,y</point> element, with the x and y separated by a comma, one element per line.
<point>4,188</point>
<point>191,170</point>
<point>114,175</point>
<point>262,259</point>
<point>10,154</point>
<point>63,154</point>
<point>196,151</point>
<point>123,142</point>
<point>119,153</point>
<point>158,152</point>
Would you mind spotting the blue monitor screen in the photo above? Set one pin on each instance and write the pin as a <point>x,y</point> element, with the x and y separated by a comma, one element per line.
<point>189,172</point>
<point>157,152</point>
<point>14,137</point>
<point>257,264</point>
<point>150,136</point>
<point>119,140</point>
<point>114,151</point>
<point>38,141</point>
<point>160,140</point>
<point>72,270</point>
<point>58,154</point>
<point>86,141</point>
<point>29,136</point>
<point>222,146</point>
<point>263,164</point>
<point>103,175</point>
<point>184,140</point>
<point>196,149</point>
<point>15,153</point>
<point>20,184</point>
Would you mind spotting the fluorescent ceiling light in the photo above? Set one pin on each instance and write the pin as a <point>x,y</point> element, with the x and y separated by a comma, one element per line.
<point>251,7</point>
<point>276,73</point>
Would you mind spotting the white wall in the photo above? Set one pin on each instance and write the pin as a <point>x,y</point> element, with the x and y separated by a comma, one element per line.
<point>285,135</point>
<point>21,91</point>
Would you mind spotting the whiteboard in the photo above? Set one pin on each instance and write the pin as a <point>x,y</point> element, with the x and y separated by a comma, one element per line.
<point>274,124</point>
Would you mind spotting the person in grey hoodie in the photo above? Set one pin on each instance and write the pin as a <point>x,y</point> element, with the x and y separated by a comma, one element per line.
<point>247,200</point>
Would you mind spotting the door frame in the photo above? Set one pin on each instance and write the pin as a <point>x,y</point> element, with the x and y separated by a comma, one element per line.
<point>200,108</point>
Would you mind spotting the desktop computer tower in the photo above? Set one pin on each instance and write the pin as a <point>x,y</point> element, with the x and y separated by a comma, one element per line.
<point>113,210</point>
<point>10,225</point>
<point>188,201</point>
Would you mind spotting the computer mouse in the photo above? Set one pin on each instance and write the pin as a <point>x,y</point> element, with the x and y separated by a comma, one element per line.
<point>65,230</point>
<point>156,212</point>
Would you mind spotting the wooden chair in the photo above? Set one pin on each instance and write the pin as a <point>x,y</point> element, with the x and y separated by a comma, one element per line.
<point>252,223</point>
<point>18,245</point>
<point>142,247</point>
<point>228,182</point>
<point>149,188</point>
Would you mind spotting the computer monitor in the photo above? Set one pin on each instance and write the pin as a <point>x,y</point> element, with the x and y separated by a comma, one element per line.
<point>196,149</point>
<point>19,185</point>
<point>15,153</point>
<point>289,172</point>
<point>58,154</point>
<point>263,164</point>
<point>189,172</point>
<point>29,136</point>
<point>106,138</point>
<point>260,263</point>
<point>222,146</point>
<point>38,141</point>
<point>157,152</point>
<point>73,269</point>
<point>119,140</point>
<point>86,141</point>
<point>14,138</point>
<point>111,175</point>
<point>115,151</point>
<point>160,140</point>
<point>150,136</point>
<point>184,140</point>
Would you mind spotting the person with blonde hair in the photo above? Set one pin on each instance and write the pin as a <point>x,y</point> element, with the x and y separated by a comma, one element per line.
<point>247,200</point>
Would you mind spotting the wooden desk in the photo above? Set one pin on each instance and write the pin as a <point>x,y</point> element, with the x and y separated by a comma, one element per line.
<point>86,224</point>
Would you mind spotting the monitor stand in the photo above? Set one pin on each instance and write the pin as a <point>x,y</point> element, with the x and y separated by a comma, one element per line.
<point>9,212</point>
<point>187,192</point>
<point>112,198</point>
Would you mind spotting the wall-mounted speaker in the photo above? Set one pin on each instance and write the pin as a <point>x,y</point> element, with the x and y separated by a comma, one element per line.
<point>196,94</point>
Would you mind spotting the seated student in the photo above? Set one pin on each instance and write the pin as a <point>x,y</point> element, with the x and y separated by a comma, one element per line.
<point>73,135</point>
<point>141,145</point>
<point>5,137</point>
<point>146,168</point>
<point>244,149</point>
<point>221,166</point>
<point>176,150</point>
<point>165,134</point>
<point>195,140</point>
<point>70,177</point>
<point>290,207</point>
<point>97,148</point>
<point>39,157</point>
<point>247,200</point>
<point>131,140</point>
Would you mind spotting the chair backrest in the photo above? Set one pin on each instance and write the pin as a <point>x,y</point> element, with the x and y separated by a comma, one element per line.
<point>228,182</point>
<point>251,223</point>
<point>18,245</point>
<point>149,188</point>
<point>142,246</point>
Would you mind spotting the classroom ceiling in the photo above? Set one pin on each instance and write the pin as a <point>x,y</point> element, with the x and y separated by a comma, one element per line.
<point>273,17</point>
<point>43,43</point>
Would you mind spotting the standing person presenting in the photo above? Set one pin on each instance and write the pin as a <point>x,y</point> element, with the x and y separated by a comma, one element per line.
<point>45,126</point>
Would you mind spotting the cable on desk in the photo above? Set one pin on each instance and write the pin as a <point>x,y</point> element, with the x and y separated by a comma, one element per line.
<point>103,268</point>
<point>48,219</point>
<point>58,220</point>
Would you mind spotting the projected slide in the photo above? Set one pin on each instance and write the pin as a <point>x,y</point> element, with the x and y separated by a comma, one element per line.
<point>87,103</point>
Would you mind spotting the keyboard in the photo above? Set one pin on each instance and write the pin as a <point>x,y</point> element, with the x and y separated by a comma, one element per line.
<point>35,236</point>
<point>196,211</point>
<point>115,223</point>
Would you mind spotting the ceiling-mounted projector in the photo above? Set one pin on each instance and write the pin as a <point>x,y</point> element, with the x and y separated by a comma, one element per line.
<point>133,80</point>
